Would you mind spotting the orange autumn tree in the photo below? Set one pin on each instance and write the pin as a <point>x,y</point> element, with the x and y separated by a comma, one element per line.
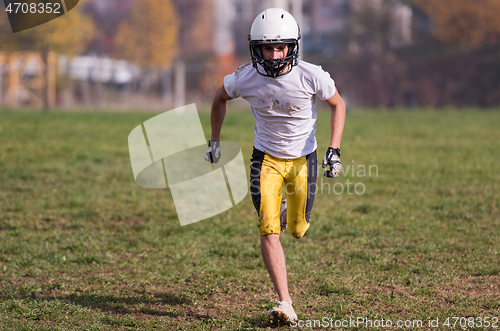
<point>463,21</point>
<point>72,32</point>
<point>149,37</point>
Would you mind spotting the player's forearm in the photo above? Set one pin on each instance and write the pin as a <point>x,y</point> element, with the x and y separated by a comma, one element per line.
<point>337,122</point>
<point>219,107</point>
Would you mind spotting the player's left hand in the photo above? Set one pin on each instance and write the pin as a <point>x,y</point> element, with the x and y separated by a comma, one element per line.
<point>213,153</point>
<point>332,159</point>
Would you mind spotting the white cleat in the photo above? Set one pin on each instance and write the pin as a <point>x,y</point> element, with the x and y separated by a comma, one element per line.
<point>283,314</point>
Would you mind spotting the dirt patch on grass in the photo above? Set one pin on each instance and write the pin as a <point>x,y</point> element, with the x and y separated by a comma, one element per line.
<point>473,287</point>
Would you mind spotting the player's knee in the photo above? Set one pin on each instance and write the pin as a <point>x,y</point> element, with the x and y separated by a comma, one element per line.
<point>299,230</point>
<point>298,233</point>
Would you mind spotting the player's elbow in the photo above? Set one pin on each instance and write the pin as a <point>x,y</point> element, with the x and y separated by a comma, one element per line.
<point>336,102</point>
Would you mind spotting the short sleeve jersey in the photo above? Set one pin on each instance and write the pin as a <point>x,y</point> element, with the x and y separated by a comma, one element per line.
<point>283,107</point>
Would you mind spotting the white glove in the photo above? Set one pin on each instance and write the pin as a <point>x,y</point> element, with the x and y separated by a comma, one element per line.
<point>332,159</point>
<point>213,153</point>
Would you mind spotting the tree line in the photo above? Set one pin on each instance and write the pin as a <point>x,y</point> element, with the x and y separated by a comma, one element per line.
<point>453,59</point>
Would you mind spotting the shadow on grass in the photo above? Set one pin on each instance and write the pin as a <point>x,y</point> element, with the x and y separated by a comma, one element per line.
<point>128,304</point>
<point>258,322</point>
<point>125,305</point>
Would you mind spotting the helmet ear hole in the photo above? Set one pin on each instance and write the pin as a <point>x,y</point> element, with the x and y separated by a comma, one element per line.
<point>258,50</point>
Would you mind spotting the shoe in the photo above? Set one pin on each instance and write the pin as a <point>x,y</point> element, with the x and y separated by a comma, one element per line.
<point>283,314</point>
<point>283,222</point>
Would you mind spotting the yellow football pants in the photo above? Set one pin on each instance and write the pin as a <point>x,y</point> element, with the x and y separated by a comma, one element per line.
<point>273,178</point>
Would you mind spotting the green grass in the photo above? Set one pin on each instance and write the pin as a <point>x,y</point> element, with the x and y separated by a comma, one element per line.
<point>82,247</point>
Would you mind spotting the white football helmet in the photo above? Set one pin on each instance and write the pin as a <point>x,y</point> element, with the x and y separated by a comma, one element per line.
<point>274,26</point>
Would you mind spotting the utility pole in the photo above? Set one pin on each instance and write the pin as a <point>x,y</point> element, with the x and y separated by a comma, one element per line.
<point>2,59</point>
<point>49,88</point>
<point>180,84</point>
<point>297,13</point>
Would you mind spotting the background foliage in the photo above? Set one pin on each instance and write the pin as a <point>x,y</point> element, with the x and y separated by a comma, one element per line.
<point>451,60</point>
<point>149,37</point>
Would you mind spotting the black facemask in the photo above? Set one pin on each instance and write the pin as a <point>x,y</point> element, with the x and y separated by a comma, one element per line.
<point>274,67</point>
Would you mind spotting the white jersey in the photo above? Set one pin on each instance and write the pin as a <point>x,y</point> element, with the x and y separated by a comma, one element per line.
<point>283,107</point>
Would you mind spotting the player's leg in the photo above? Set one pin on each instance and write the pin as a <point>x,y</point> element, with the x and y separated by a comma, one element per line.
<point>266,188</point>
<point>266,181</point>
<point>300,188</point>
<point>274,260</point>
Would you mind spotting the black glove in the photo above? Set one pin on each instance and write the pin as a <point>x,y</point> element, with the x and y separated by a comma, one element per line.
<point>332,158</point>
<point>213,153</point>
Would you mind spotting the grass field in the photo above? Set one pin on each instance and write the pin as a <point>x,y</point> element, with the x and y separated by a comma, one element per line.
<point>82,247</point>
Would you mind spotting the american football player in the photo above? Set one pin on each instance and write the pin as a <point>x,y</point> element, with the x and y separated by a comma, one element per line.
<point>281,90</point>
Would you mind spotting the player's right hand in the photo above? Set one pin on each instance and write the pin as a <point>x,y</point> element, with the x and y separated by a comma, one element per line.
<point>332,159</point>
<point>213,153</point>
